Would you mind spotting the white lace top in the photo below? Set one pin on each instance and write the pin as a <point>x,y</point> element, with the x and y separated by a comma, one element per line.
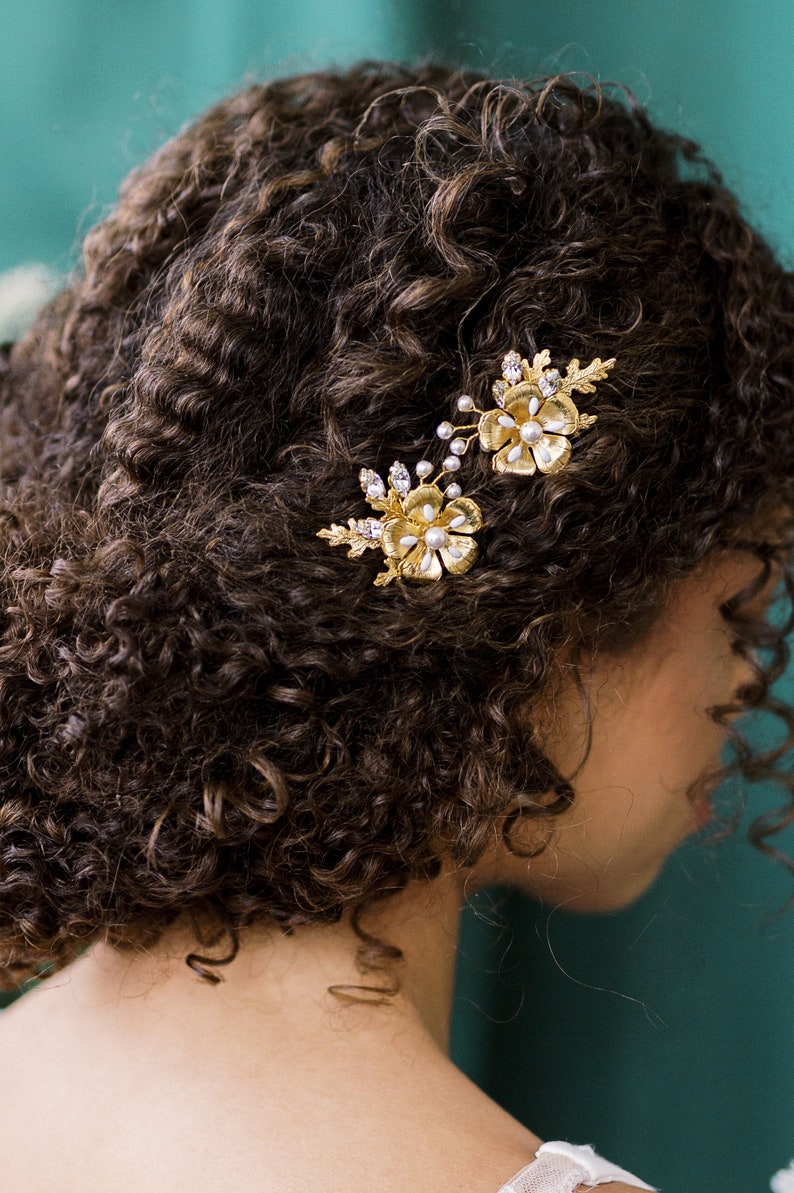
<point>561,1167</point>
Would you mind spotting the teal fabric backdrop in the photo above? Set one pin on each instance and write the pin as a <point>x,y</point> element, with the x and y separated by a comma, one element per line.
<point>664,1034</point>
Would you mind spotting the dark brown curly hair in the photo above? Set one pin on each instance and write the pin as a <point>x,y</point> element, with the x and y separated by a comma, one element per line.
<point>204,708</point>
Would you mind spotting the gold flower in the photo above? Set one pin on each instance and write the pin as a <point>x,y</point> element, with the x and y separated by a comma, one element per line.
<point>417,533</point>
<point>429,536</point>
<point>535,418</point>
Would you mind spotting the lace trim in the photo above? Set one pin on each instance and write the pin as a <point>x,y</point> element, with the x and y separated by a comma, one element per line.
<point>561,1167</point>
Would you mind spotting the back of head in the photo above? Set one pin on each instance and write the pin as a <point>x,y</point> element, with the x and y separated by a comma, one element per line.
<point>204,709</point>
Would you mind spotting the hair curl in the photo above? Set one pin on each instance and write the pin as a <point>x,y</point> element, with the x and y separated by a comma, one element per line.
<point>204,709</point>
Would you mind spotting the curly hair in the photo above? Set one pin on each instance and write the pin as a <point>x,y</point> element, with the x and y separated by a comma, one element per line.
<point>205,710</point>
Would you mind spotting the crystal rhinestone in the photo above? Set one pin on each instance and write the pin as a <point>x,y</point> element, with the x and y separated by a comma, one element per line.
<point>458,521</point>
<point>369,528</point>
<point>445,430</point>
<point>427,559</point>
<point>465,402</point>
<point>428,513</point>
<point>409,540</point>
<point>514,454</point>
<point>400,478</point>
<point>371,483</point>
<point>511,368</point>
<point>453,491</point>
<point>452,463</point>
<point>498,389</point>
<point>530,431</point>
<point>423,468</point>
<point>506,420</point>
<point>458,447</point>
<point>435,537</point>
<point>549,383</point>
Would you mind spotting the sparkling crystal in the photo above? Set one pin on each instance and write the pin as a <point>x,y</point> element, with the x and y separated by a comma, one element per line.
<point>549,383</point>
<point>371,483</point>
<point>511,368</point>
<point>452,491</point>
<point>369,528</point>
<point>458,447</point>
<point>445,430</point>
<point>465,402</point>
<point>400,478</point>
<point>423,468</point>
<point>452,463</point>
<point>498,389</point>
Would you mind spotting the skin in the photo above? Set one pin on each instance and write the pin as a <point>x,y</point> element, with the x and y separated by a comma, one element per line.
<point>268,1082</point>
<point>652,739</point>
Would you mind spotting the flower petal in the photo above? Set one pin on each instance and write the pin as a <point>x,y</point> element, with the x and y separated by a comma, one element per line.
<point>462,507</point>
<point>399,528</point>
<point>414,504</point>
<point>492,434</point>
<point>459,554</point>
<point>561,413</point>
<point>523,466</point>
<point>551,452</point>
<point>411,566</point>
<point>517,400</point>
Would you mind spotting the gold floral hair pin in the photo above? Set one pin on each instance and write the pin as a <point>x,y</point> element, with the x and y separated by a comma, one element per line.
<point>425,531</point>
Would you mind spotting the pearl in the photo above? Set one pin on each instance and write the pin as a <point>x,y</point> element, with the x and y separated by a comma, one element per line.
<point>458,521</point>
<point>427,559</point>
<point>445,430</point>
<point>514,454</point>
<point>428,512</point>
<point>452,463</point>
<point>534,405</point>
<point>505,420</point>
<point>458,447</point>
<point>423,468</point>
<point>409,540</point>
<point>530,431</point>
<point>453,491</point>
<point>435,537</point>
<point>465,402</point>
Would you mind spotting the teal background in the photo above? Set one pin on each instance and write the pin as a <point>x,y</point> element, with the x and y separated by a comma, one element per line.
<point>665,1034</point>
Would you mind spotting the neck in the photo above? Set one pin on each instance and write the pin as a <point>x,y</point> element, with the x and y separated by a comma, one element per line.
<point>303,984</point>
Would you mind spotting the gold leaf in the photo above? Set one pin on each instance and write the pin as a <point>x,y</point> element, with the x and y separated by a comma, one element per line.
<point>534,372</point>
<point>582,379</point>
<point>392,572</point>
<point>348,536</point>
<point>337,535</point>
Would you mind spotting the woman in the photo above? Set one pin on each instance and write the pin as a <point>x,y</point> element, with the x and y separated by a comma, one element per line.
<point>263,732</point>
